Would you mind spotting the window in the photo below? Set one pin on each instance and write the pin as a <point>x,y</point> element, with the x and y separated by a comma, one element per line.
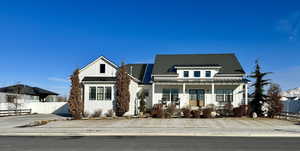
<point>102,68</point>
<point>208,73</point>
<point>224,95</point>
<point>166,94</point>
<point>185,73</point>
<point>197,73</point>
<point>92,93</point>
<point>170,94</point>
<point>174,94</point>
<point>100,93</point>
<point>107,93</point>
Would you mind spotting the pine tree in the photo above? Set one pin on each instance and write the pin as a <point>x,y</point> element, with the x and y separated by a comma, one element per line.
<point>259,96</point>
<point>275,105</point>
<point>75,102</point>
<point>122,92</point>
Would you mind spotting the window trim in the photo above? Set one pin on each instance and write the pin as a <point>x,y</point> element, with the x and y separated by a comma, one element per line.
<point>170,93</point>
<point>100,91</point>
<point>224,94</point>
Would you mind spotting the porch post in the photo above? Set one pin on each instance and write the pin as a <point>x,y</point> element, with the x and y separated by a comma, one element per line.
<point>153,92</point>
<point>183,93</point>
<point>246,94</point>
<point>213,93</point>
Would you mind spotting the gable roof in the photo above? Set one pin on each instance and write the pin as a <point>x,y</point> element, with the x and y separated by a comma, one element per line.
<point>25,89</point>
<point>142,72</point>
<point>105,59</point>
<point>164,64</point>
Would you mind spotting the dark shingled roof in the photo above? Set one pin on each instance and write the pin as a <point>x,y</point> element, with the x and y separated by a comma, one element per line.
<point>164,64</point>
<point>142,72</point>
<point>25,89</point>
<point>99,79</point>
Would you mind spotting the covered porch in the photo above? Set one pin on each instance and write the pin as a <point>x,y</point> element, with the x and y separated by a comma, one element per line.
<point>200,94</point>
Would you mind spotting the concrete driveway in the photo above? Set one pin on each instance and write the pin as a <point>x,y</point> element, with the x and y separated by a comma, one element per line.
<point>14,121</point>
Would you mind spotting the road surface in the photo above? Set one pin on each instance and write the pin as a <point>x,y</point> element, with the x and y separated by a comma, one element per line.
<point>131,143</point>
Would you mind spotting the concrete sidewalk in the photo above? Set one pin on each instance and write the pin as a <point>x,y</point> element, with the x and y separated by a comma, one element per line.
<point>162,127</point>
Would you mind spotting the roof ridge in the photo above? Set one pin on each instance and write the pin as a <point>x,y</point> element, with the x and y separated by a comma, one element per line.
<point>199,54</point>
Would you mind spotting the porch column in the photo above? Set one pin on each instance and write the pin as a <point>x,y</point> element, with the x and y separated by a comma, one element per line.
<point>183,93</point>
<point>213,93</point>
<point>153,92</point>
<point>246,93</point>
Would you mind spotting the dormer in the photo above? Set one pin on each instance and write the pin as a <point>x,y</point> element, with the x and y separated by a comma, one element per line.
<point>195,71</point>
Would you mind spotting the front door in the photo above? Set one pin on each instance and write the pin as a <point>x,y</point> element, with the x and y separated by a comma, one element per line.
<point>196,97</point>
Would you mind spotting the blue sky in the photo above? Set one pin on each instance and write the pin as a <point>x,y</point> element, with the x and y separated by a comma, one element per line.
<point>42,42</point>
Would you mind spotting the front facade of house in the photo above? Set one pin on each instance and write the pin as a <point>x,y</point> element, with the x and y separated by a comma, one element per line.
<point>193,80</point>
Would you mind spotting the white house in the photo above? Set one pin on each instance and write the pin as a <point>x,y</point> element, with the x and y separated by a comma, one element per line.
<point>194,80</point>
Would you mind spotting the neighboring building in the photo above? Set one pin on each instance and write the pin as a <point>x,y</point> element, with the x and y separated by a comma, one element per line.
<point>25,93</point>
<point>194,80</point>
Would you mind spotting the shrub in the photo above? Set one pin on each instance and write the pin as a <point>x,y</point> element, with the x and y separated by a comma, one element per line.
<point>207,112</point>
<point>167,115</point>
<point>186,112</point>
<point>196,113</point>
<point>157,111</point>
<point>109,113</point>
<point>97,113</point>
<point>240,111</point>
<point>86,114</point>
<point>172,109</point>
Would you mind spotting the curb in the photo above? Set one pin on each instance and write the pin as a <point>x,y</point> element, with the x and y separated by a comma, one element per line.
<point>149,134</point>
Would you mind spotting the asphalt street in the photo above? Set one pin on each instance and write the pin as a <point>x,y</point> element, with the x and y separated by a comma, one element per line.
<point>151,143</point>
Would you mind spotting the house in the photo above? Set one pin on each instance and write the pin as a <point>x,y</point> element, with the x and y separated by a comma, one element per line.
<point>25,93</point>
<point>195,80</point>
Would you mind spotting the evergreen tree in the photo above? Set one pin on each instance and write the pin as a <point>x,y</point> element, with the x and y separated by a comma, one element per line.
<point>122,92</point>
<point>259,96</point>
<point>275,105</point>
<point>75,102</point>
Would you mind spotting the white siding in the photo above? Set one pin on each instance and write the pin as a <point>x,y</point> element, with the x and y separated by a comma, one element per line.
<point>90,106</point>
<point>93,69</point>
<point>191,73</point>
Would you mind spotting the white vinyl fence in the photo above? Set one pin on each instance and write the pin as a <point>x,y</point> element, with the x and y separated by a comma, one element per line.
<point>292,106</point>
<point>60,108</point>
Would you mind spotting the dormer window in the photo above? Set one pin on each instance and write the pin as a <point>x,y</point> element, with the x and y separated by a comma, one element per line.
<point>185,74</point>
<point>208,74</point>
<point>102,68</point>
<point>197,73</point>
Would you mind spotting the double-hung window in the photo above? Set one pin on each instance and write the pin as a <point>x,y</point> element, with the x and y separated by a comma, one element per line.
<point>100,93</point>
<point>92,93</point>
<point>224,95</point>
<point>170,94</point>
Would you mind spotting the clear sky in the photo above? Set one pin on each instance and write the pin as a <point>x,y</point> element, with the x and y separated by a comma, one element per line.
<point>42,42</point>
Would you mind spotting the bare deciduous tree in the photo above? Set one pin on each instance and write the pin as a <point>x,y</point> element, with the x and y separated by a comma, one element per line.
<point>275,105</point>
